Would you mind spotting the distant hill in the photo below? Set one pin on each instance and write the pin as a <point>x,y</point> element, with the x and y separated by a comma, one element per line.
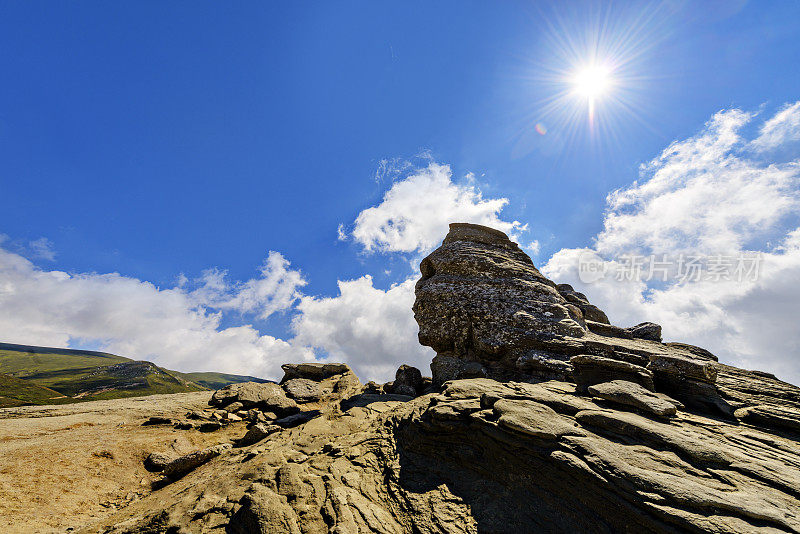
<point>47,375</point>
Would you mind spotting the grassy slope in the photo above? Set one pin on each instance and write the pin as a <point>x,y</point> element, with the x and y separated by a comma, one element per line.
<point>18,392</point>
<point>88,375</point>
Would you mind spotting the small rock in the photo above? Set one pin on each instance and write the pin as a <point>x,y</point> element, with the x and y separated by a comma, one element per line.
<point>209,426</point>
<point>233,418</point>
<point>256,433</point>
<point>234,407</point>
<point>183,425</point>
<point>157,461</point>
<point>297,419</point>
<point>157,420</point>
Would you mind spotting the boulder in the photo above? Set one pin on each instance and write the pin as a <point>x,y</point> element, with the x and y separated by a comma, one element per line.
<point>267,396</point>
<point>303,390</point>
<point>157,461</point>
<point>632,394</point>
<point>407,381</point>
<point>481,299</point>
<point>313,371</point>
<point>649,331</point>
<point>542,365</point>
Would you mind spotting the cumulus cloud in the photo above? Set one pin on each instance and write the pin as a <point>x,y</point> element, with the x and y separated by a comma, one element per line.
<point>716,195</point>
<point>174,327</point>
<point>276,290</point>
<point>371,329</point>
<point>414,213</point>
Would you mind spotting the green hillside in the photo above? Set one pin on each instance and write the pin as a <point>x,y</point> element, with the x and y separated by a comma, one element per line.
<point>44,375</point>
<point>18,392</point>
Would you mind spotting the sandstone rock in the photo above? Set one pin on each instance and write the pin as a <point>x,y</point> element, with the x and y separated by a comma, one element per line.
<point>266,396</point>
<point>542,365</point>
<point>680,368</point>
<point>209,426</point>
<point>157,461</point>
<point>774,417</point>
<point>303,390</point>
<point>157,420</point>
<point>651,331</point>
<point>188,462</point>
<point>480,298</point>
<point>296,419</point>
<point>256,433</point>
<point>264,512</point>
<point>589,311</point>
<point>234,407</point>
<point>313,371</point>
<point>446,368</point>
<point>589,370</point>
<point>632,394</point>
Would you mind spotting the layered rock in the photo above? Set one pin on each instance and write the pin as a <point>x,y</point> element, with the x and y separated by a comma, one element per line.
<point>488,312</point>
<point>543,417</point>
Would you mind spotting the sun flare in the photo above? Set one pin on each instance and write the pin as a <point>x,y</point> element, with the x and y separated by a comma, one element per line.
<point>592,82</point>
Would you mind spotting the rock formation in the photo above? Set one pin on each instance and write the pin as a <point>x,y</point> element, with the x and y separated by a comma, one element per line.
<point>542,417</point>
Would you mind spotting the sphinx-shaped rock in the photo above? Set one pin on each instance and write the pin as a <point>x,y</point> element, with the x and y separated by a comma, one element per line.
<point>481,299</point>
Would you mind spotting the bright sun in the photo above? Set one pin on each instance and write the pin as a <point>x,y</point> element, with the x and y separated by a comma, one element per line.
<point>592,82</point>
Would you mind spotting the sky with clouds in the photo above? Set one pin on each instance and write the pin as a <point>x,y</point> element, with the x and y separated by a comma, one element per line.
<point>230,189</point>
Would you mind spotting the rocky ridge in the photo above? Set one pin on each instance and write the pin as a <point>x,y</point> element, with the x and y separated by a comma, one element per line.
<point>540,416</point>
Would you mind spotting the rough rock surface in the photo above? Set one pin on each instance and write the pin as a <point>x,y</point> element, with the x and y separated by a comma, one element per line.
<point>267,396</point>
<point>632,394</point>
<point>634,436</point>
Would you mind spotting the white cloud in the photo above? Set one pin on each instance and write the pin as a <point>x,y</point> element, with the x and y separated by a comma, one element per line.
<point>783,128</point>
<point>172,327</point>
<point>370,329</point>
<point>714,193</point>
<point>276,290</point>
<point>415,212</point>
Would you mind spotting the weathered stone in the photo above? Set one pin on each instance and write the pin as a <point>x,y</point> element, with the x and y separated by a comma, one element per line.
<point>589,370</point>
<point>407,381</point>
<point>542,365</point>
<point>266,396</point>
<point>264,512</point>
<point>209,426</point>
<point>632,394</point>
<point>157,420</point>
<point>774,417</point>
<point>313,371</point>
<point>234,407</point>
<point>256,433</point>
<point>446,368</point>
<point>649,331</point>
<point>480,298</point>
<point>188,462</point>
<point>303,390</point>
<point>682,368</point>
<point>157,461</point>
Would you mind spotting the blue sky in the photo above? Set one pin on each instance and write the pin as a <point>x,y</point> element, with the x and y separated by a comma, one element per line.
<point>160,140</point>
